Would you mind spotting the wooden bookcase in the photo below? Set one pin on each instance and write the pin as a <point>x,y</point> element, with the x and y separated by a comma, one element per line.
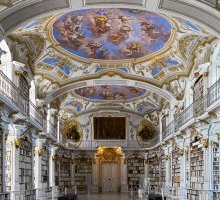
<point>135,165</point>
<point>83,169</point>
<point>196,169</point>
<point>154,171</point>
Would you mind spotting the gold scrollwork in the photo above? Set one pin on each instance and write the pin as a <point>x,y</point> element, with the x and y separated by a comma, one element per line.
<point>205,142</point>
<point>17,73</point>
<point>54,157</point>
<point>206,74</point>
<point>17,143</point>
<point>167,157</point>
<point>39,151</point>
<point>218,136</point>
<point>109,154</point>
<point>181,152</point>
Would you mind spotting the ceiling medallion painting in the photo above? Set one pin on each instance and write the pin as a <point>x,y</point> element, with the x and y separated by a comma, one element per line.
<point>73,133</point>
<point>110,92</point>
<point>112,34</point>
<point>146,133</point>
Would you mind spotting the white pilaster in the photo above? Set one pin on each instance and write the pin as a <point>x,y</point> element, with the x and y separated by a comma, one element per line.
<point>37,166</point>
<point>13,145</point>
<point>124,186</point>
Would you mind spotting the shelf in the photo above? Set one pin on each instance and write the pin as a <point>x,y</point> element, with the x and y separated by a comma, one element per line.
<point>65,172</point>
<point>135,168</point>
<point>154,171</point>
<point>25,165</point>
<point>196,169</point>
<point>216,166</point>
<point>83,169</point>
<point>45,166</point>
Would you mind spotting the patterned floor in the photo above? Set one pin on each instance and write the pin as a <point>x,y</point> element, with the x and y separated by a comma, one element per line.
<point>110,196</point>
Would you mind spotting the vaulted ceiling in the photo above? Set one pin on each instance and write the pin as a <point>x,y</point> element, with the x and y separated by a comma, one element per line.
<point>122,58</point>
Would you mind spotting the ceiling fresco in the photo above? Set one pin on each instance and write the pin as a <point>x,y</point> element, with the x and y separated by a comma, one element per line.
<point>110,44</point>
<point>76,105</point>
<point>112,34</point>
<point>110,92</point>
<point>81,43</point>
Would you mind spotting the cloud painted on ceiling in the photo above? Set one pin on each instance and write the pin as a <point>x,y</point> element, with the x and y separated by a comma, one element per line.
<point>112,34</point>
<point>110,92</point>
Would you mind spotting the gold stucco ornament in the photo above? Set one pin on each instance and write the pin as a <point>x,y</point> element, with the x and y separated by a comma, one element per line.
<point>17,143</point>
<point>205,142</point>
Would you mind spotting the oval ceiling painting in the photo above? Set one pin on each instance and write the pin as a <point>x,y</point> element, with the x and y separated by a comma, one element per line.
<point>112,34</point>
<point>110,92</point>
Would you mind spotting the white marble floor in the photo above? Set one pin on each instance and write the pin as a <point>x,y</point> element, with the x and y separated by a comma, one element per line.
<point>110,196</point>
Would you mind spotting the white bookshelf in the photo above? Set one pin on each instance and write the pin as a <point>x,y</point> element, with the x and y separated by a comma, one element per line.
<point>154,171</point>
<point>83,169</point>
<point>65,174</point>
<point>8,165</point>
<point>216,167</point>
<point>196,169</point>
<point>25,165</point>
<point>135,165</point>
<point>163,168</point>
<point>1,164</point>
<point>57,171</point>
<point>176,167</point>
<point>45,165</point>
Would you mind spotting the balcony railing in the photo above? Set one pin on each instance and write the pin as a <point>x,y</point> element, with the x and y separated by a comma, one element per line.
<point>213,93</point>
<point>10,91</point>
<point>8,88</point>
<point>196,109</point>
<point>4,196</point>
<point>168,130</point>
<point>23,195</point>
<point>213,3</point>
<point>52,129</point>
<point>35,114</point>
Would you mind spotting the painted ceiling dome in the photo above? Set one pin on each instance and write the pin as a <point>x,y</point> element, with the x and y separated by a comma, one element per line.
<point>121,58</point>
<point>112,34</point>
<point>110,92</point>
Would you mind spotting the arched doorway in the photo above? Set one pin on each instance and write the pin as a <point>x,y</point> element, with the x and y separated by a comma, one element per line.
<point>109,164</point>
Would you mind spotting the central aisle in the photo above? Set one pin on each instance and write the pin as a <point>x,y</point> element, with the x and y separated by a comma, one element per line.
<point>110,196</point>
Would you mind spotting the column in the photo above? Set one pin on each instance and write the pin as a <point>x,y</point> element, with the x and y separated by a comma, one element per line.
<point>12,148</point>
<point>95,176</point>
<point>72,171</point>
<point>37,167</point>
<point>52,159</point>
<point>5,121</point>
<point>124,174</point>
<point>59,134</point>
